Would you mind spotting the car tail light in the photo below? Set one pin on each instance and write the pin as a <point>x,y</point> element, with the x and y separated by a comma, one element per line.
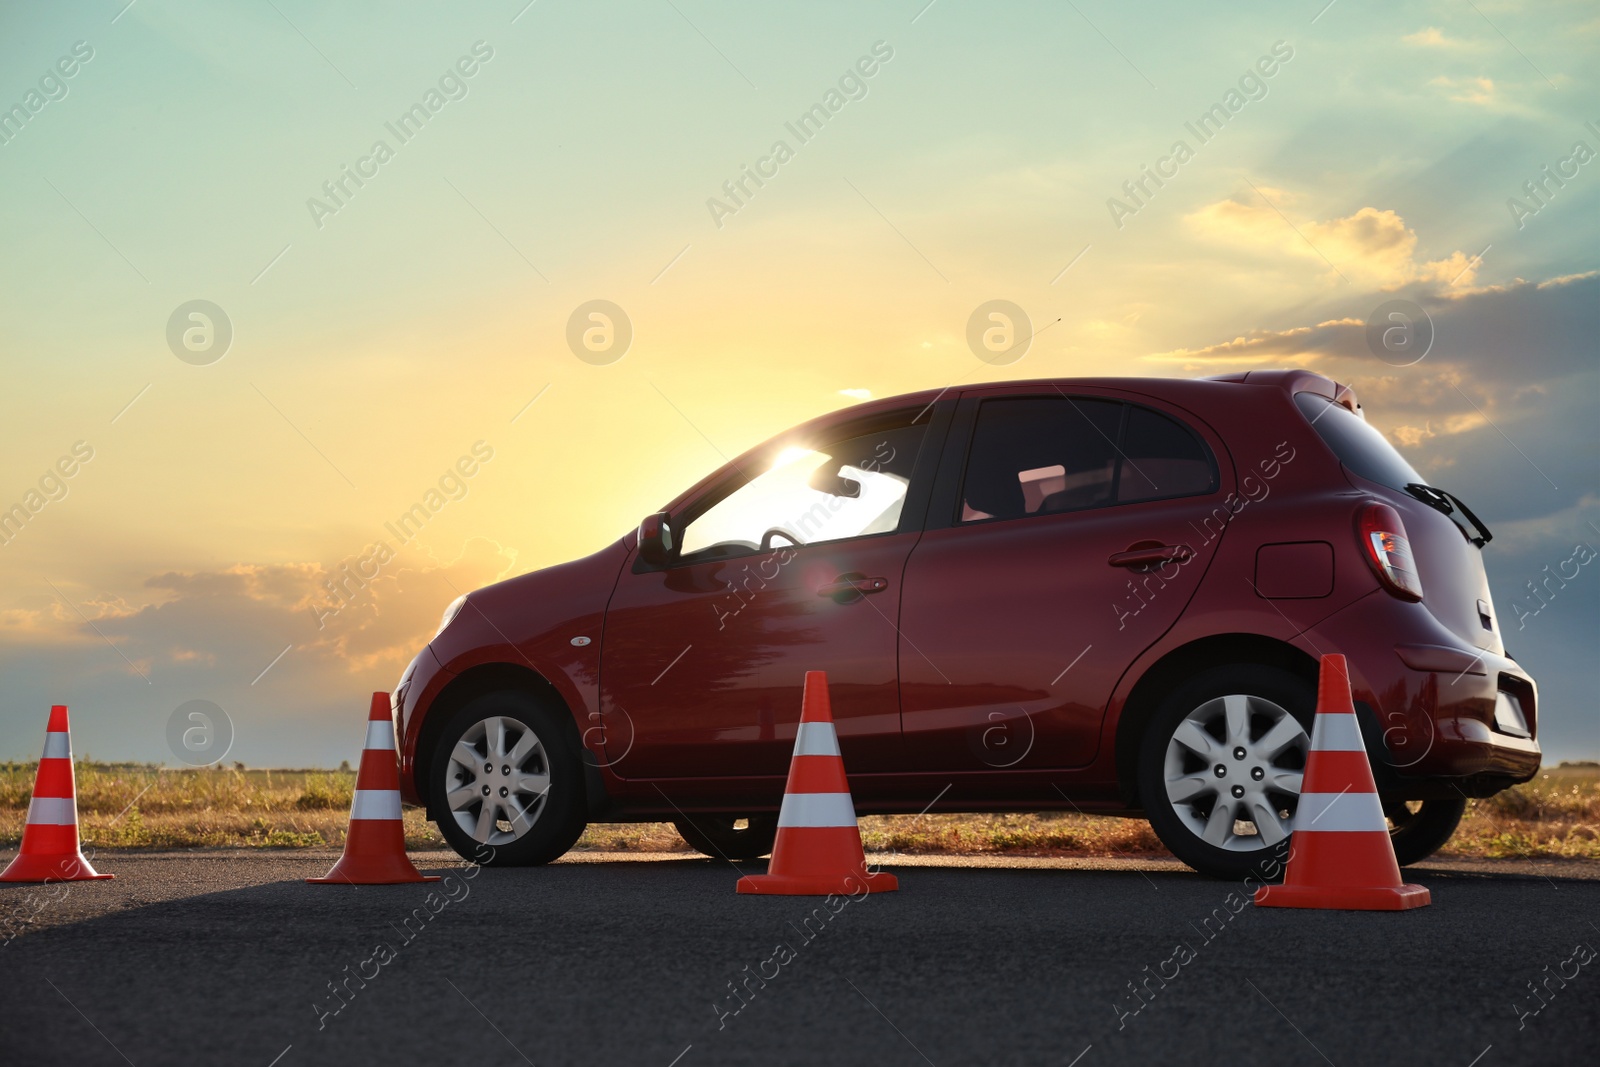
<point>1383,537</point>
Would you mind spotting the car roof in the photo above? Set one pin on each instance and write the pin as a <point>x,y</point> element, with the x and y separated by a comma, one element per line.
<point>1290,381</point>
<point>1182,391</point>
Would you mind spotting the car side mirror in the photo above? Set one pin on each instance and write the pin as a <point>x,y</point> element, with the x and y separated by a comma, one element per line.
<point>656,545</point>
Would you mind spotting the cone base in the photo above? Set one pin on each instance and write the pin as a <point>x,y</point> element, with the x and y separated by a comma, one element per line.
<point>374,854</point>
<point>816,885</point>
<point>59,867</point>
<point>1344,898</point>
<point>392,870</point>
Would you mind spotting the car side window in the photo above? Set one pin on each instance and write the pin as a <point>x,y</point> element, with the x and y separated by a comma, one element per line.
<point>1043,455</point>
<point>1162,458</point>
<point>1038,455</point>
<point>811,493</point>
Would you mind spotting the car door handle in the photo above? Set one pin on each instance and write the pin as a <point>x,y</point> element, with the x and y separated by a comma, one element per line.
<point>1149,555</point>
<point>848,586</point>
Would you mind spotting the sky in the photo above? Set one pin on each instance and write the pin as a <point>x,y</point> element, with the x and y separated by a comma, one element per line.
<point>377,316</point>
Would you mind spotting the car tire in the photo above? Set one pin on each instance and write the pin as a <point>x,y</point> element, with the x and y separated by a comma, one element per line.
<point>1419,829</point>
<point>1234,736</point>
<point>717,836</point>
<point>533,789</point>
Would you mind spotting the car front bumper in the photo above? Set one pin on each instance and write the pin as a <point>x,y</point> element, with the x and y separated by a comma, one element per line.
<point>424,676</point>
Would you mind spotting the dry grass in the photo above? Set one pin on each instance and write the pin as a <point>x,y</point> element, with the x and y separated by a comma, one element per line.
<point>1556,814</point>
<point>143,806</point>
<point>125,805</point>
<point>633,837</point>
<point>1047,833</point>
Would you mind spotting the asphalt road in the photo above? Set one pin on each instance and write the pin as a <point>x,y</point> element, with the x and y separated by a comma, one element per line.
<point>225,957</point>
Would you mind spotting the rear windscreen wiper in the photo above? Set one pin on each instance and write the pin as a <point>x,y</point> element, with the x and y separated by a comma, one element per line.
<point>1484,536</point>
<point>1449,504</point>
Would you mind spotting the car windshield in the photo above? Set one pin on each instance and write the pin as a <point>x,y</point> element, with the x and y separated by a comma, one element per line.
<point>1358,444</point>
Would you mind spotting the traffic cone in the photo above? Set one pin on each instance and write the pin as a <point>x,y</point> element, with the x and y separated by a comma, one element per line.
<point>1340,855</point>
<point>375,847</point>
<point>50,851</point>
<point>818,848</point>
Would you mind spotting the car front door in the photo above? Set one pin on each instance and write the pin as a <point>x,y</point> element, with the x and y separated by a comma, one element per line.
<point>792,565</point>
<point>1070,534</point>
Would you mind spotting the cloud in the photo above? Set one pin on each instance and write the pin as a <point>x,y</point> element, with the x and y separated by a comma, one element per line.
<point>1537,535</point>
<point>1372,247</point>
<point>1430,37</point>
<point>1482,335</point>
<point>1451,424</point>
<point>857,394</point>
<point>289,651</point>
<point>1300,346</point>
<point>1502,404</point>
<point>1477,90</point>
<point>373,611</point>
<point>1433,37</point>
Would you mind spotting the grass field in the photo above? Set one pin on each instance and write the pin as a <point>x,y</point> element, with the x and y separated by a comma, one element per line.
<point>140,806</point>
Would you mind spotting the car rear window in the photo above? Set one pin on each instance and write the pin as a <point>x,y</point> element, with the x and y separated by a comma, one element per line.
<point>1358,444</point>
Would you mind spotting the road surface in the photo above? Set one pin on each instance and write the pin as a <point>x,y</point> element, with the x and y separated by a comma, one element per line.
<point>228,957</point>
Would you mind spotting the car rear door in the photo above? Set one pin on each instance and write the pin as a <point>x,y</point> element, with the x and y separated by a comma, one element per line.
<point>1066,535</point>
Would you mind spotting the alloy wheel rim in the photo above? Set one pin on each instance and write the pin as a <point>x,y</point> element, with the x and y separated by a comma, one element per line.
<point>498,780</point>
<point>1233,771</point>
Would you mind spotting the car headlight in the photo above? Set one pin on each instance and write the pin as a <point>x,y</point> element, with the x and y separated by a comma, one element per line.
<point>450,613</point>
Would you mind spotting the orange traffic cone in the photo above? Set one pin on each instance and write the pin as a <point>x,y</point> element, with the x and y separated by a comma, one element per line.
<point>50,850</point>
<point>1340,855</point>
<point>818,849</point>
<point>375,847</point>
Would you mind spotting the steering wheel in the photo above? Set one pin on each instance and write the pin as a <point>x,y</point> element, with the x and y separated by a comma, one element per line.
<point>766,538</point>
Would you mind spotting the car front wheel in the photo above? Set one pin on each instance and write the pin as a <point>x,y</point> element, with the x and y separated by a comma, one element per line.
<point>1220,768</point>
<point>506,781</point>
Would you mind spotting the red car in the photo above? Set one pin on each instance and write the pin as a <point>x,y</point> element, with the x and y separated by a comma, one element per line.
<point>1101,595</point>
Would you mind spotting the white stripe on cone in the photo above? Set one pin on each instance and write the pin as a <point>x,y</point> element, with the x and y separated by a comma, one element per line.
<point>817,809</point>
<point>53,811</point>
<point>1337,732</point>
<point>380,735</point>
<point>816,739</point>
<point>1339,812</point>
<point>375,804</point>
<point>57,745</point>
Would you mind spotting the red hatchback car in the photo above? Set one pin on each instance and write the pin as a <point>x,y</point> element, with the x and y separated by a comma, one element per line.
<point>1100,594</point>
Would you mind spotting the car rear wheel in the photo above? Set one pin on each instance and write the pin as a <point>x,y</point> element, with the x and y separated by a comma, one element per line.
<point>1419,828</point>
<point>1220,768</point>
<point>723,836</point>
<point>506,782</point>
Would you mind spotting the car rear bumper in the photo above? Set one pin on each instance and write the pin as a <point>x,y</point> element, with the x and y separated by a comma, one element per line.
<point>1428,702</point>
